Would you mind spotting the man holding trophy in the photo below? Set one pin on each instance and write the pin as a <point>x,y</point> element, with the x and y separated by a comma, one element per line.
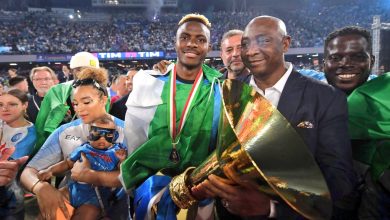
<point>317,111</point>
<point>253,180</point>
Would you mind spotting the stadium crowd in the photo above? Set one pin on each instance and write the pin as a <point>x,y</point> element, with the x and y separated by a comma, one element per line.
<point>37,32</point>
<point>108,138</point>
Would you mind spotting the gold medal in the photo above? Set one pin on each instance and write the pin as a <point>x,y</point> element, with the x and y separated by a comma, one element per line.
<point>175,156</point>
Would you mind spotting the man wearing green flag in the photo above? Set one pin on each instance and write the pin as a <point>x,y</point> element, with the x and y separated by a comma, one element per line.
<point>172,119</point>
<point>56,106</point>
<point>347,66</point>
<point>369,122</point>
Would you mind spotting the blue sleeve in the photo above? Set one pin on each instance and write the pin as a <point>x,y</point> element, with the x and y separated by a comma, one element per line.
<point>50,153</point>
<point>120,146</point>
<point>26,145</point>
<point>76,154</point>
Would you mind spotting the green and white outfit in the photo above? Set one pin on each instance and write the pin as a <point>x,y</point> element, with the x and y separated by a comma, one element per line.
<point>369,124</point>
<point>147,129</point>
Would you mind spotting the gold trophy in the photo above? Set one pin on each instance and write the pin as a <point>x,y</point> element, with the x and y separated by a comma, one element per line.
<point>258,143</point>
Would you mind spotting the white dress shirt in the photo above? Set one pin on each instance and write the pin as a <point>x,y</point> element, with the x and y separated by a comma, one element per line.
<point>272,94</point>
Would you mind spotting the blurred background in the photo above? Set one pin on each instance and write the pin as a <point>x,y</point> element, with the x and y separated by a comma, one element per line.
<point>138,33</point>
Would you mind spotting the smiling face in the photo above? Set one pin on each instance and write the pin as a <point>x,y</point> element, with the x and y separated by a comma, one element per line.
<point>192,44</point>
<point>263,46</point>
<point>348,62</point>
<point>89,103</point>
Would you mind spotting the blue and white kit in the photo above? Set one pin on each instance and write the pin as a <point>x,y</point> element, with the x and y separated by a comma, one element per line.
<point>64,140</point>
<point>100,160</point>
<point>23,138</point>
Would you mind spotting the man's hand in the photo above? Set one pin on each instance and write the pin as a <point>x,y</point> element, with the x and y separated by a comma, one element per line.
<point>161,66</point>
<point>80,169</point>
<point>237,199</point>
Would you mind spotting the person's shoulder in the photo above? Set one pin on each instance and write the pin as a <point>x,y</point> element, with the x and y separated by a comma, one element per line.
<point>122,100</point>
<point>320,92</point>
<point>210,72</point>
<point>63,85</point>
<point>316,85</point>
<point>118,122</point>
<point>375,82</point>
<point>62,88</point>
<point>31,126</point>
<point>73,124</point>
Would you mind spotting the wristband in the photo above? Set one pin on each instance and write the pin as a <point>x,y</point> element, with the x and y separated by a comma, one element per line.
<point>34,185</point>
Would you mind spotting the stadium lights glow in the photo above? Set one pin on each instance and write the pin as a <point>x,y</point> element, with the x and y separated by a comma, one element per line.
<point>71,16</point>
<point>299,56</point>
<point>112,2</point>
<point>79,15</point>
<point>57,63</point>
<point>315,55</point>
<point>13,64</point>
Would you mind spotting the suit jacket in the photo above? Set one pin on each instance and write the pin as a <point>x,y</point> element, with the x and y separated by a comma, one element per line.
<point>306,99</point>
<point>32,109</point>
<point>118,108</point>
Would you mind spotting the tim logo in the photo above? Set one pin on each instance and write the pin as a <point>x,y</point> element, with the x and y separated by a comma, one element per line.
<point>16,137</point>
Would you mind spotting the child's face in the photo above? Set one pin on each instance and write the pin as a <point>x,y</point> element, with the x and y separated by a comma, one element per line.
<point>101,136</point>
<point>100,144</point>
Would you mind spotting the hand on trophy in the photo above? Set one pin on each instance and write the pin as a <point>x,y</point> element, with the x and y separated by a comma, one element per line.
<point>238,197</point>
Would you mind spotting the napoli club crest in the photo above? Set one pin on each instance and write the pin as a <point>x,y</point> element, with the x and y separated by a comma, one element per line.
<point>16,137</point>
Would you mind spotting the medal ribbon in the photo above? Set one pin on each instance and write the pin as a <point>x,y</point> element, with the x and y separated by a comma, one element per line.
<point>176,132</point>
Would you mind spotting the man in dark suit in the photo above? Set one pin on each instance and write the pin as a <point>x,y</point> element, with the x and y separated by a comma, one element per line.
<point>316,110</point>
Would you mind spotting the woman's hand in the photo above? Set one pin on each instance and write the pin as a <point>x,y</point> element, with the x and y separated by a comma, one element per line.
<point>49,200</point>
<point>80,170</point>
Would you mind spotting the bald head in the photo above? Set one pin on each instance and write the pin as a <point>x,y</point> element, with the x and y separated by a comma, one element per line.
<point>263,45</point>
<point>271,22</point>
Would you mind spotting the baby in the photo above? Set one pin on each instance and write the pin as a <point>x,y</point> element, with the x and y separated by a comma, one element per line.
<point>104,155</point>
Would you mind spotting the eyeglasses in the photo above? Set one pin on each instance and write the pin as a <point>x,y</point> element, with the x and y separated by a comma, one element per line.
<point>42,79</point>
<point>96,133</point>
<point>89,81</point>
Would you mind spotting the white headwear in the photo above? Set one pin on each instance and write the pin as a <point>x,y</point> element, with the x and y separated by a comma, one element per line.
<point>84,59</point>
